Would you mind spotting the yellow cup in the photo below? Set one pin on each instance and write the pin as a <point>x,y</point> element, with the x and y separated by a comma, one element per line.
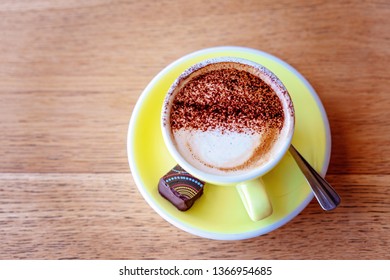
<point>249,184</point>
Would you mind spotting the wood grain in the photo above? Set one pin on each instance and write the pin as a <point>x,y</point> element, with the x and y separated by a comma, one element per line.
<point>72,71</point>
<point>102,216</point>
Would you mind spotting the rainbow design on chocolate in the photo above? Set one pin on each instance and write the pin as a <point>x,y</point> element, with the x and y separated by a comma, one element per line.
<point>180,188</point>
<point>184,185</point>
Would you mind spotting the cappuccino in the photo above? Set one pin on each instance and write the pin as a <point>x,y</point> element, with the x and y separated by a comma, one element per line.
<point>228,118</point>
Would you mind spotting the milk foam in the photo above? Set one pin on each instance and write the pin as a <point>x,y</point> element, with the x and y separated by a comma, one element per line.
<point>222,151</point>
<point>218,152</point>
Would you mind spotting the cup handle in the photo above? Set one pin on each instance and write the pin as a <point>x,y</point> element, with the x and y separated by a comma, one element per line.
<point>255,198</point>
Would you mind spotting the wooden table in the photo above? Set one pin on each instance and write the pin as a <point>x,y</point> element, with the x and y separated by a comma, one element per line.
<point>72,71</point>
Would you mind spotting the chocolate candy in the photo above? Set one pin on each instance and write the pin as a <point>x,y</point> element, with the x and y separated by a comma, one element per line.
<point>180,188</point>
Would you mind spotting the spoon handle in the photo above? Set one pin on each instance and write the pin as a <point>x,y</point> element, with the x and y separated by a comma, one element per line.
<point>323,191</point>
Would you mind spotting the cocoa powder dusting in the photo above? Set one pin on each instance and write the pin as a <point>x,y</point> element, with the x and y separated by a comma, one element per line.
<point>228,99</point>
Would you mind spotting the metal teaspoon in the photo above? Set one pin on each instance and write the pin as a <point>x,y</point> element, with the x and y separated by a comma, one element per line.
<point>323,191</point>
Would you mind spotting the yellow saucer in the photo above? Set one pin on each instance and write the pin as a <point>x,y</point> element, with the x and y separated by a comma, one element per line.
<point>219,213</point>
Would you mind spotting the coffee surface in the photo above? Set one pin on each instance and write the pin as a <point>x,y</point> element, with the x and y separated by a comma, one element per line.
<point>226,120</point>
<point>228,99</point>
